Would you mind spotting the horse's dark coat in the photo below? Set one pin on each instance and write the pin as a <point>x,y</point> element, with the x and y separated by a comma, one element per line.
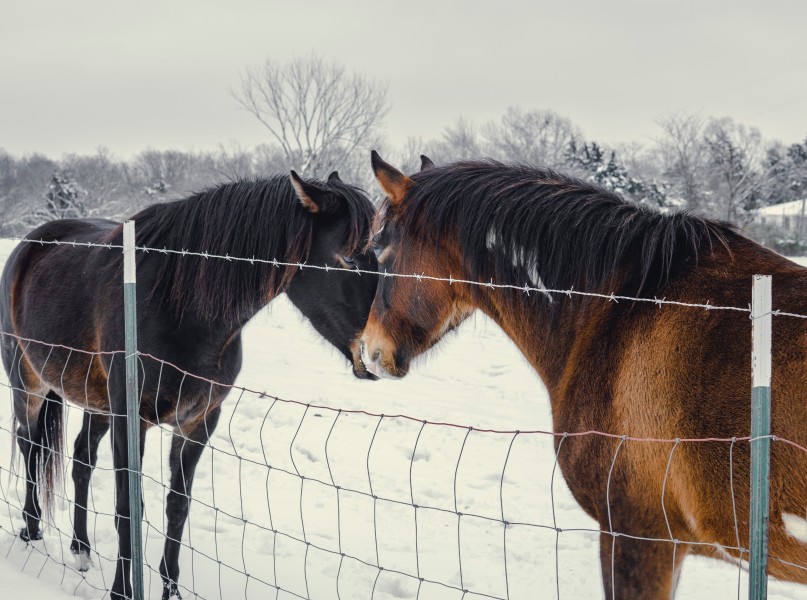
<point>190,312</point>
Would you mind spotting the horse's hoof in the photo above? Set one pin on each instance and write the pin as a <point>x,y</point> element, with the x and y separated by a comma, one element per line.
<point>170,590</point>
<point>28,536</point>
<point>82,558</point>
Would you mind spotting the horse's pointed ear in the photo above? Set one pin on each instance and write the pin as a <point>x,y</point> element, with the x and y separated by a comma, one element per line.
<point>394,183</point>
<point>426,163</point>
<point>306,192</point>
<point>334,176</point>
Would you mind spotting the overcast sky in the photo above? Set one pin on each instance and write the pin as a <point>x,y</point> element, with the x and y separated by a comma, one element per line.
<point>129,75</point>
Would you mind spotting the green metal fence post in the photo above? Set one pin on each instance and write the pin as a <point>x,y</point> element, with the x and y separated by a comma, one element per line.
<point>133,407</point>
<point>761,327</point>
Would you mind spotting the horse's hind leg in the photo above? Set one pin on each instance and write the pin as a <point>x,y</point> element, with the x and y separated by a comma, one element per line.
<point>640,569</point>
<point>26,411</point>
<point>85,455</point>
<point>186,448</point>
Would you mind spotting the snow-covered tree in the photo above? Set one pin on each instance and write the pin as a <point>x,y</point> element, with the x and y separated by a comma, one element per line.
<point>605,169</point>
<point>785,173</point>
<point>62,200</point>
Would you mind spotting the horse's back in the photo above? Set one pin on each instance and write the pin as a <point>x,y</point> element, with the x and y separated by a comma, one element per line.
<point>28,253</point>
<point>85,231</point>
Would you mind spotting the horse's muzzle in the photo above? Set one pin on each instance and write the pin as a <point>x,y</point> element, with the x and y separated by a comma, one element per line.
<point>360,369</point>
<point>375,365</point>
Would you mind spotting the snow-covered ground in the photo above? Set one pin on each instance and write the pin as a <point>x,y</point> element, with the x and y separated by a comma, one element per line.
<point>476,379</point>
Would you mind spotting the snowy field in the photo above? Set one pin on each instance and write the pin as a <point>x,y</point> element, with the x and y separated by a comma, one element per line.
<point>476,379</point>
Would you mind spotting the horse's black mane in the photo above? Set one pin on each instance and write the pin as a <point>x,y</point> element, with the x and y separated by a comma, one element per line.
<point>516,223</point>
<point>260,218</point>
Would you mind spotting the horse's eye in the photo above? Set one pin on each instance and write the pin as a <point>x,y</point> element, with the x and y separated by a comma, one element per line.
<point>348,260</point>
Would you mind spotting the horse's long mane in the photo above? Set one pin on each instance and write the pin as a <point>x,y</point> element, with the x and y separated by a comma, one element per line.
<point>260,218</point>
<point>528,226</point>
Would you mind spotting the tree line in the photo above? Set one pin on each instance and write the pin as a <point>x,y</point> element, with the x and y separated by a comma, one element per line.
<point>320,117</point>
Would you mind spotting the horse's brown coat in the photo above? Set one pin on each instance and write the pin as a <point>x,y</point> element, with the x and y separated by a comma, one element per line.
<point>639,370</point>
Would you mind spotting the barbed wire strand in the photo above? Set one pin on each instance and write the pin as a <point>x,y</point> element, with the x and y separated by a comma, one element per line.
<point>527,288</point>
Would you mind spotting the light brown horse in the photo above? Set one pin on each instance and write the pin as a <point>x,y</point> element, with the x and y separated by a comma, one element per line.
<point>626,368</point>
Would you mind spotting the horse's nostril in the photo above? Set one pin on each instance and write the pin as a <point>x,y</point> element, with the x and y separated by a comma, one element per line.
<point>376,355</point>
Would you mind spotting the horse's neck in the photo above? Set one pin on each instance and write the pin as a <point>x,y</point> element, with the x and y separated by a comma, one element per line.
<point>548,344</point>
<point>215,333</point>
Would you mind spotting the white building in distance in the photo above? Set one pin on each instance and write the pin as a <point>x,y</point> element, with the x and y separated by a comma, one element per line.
<point>788,216</point>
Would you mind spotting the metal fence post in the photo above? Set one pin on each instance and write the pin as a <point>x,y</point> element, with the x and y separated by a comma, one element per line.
<point>132,407</point>
<point>761,328</point>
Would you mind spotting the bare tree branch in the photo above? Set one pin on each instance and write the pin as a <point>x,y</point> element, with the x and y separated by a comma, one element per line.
<point>319,114</point>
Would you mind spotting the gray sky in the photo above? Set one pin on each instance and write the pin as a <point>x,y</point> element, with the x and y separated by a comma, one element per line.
<point>130,75</point>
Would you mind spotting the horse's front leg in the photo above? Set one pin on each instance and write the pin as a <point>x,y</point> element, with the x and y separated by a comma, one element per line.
<point>186,448</point>
<point>638,569</point>
<point>122,584</point>
<point>85,455</point>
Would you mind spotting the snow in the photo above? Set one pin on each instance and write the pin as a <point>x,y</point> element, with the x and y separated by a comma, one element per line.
<point>476,378</point>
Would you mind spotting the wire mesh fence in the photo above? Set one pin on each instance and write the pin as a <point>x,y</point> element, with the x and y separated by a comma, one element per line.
<point>295,499</point>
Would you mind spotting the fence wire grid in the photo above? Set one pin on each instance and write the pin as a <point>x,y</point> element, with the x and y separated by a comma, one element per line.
<point>300,500</point>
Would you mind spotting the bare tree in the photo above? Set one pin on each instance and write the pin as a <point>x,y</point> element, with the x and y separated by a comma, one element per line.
<point>460,141</point>
<point>540,137</point>
<point>734,153</point>
<point>101,177</point>
<point>318,113</point>
<point>684,155</point>
<point>408,157</point>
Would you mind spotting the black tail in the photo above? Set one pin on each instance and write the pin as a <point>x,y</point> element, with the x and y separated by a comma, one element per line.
<point>50,442</point>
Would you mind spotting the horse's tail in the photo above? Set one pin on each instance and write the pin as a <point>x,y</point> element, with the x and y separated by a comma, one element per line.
<point>49,443</point>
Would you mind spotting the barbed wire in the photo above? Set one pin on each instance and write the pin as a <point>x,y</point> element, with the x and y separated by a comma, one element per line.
<point>526,288</point>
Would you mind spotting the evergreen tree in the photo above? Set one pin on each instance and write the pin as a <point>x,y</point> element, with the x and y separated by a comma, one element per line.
<point>62,199</point>
<point>606,170</point>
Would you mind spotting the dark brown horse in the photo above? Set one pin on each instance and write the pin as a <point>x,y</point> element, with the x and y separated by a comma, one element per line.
<point>190,312</point>
<point>626,368</point>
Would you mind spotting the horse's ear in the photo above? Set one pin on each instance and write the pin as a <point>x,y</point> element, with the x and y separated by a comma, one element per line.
<point>426,163</point>
<point>394,183</point>
<point>306,192</point>
<point>334,177</point>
